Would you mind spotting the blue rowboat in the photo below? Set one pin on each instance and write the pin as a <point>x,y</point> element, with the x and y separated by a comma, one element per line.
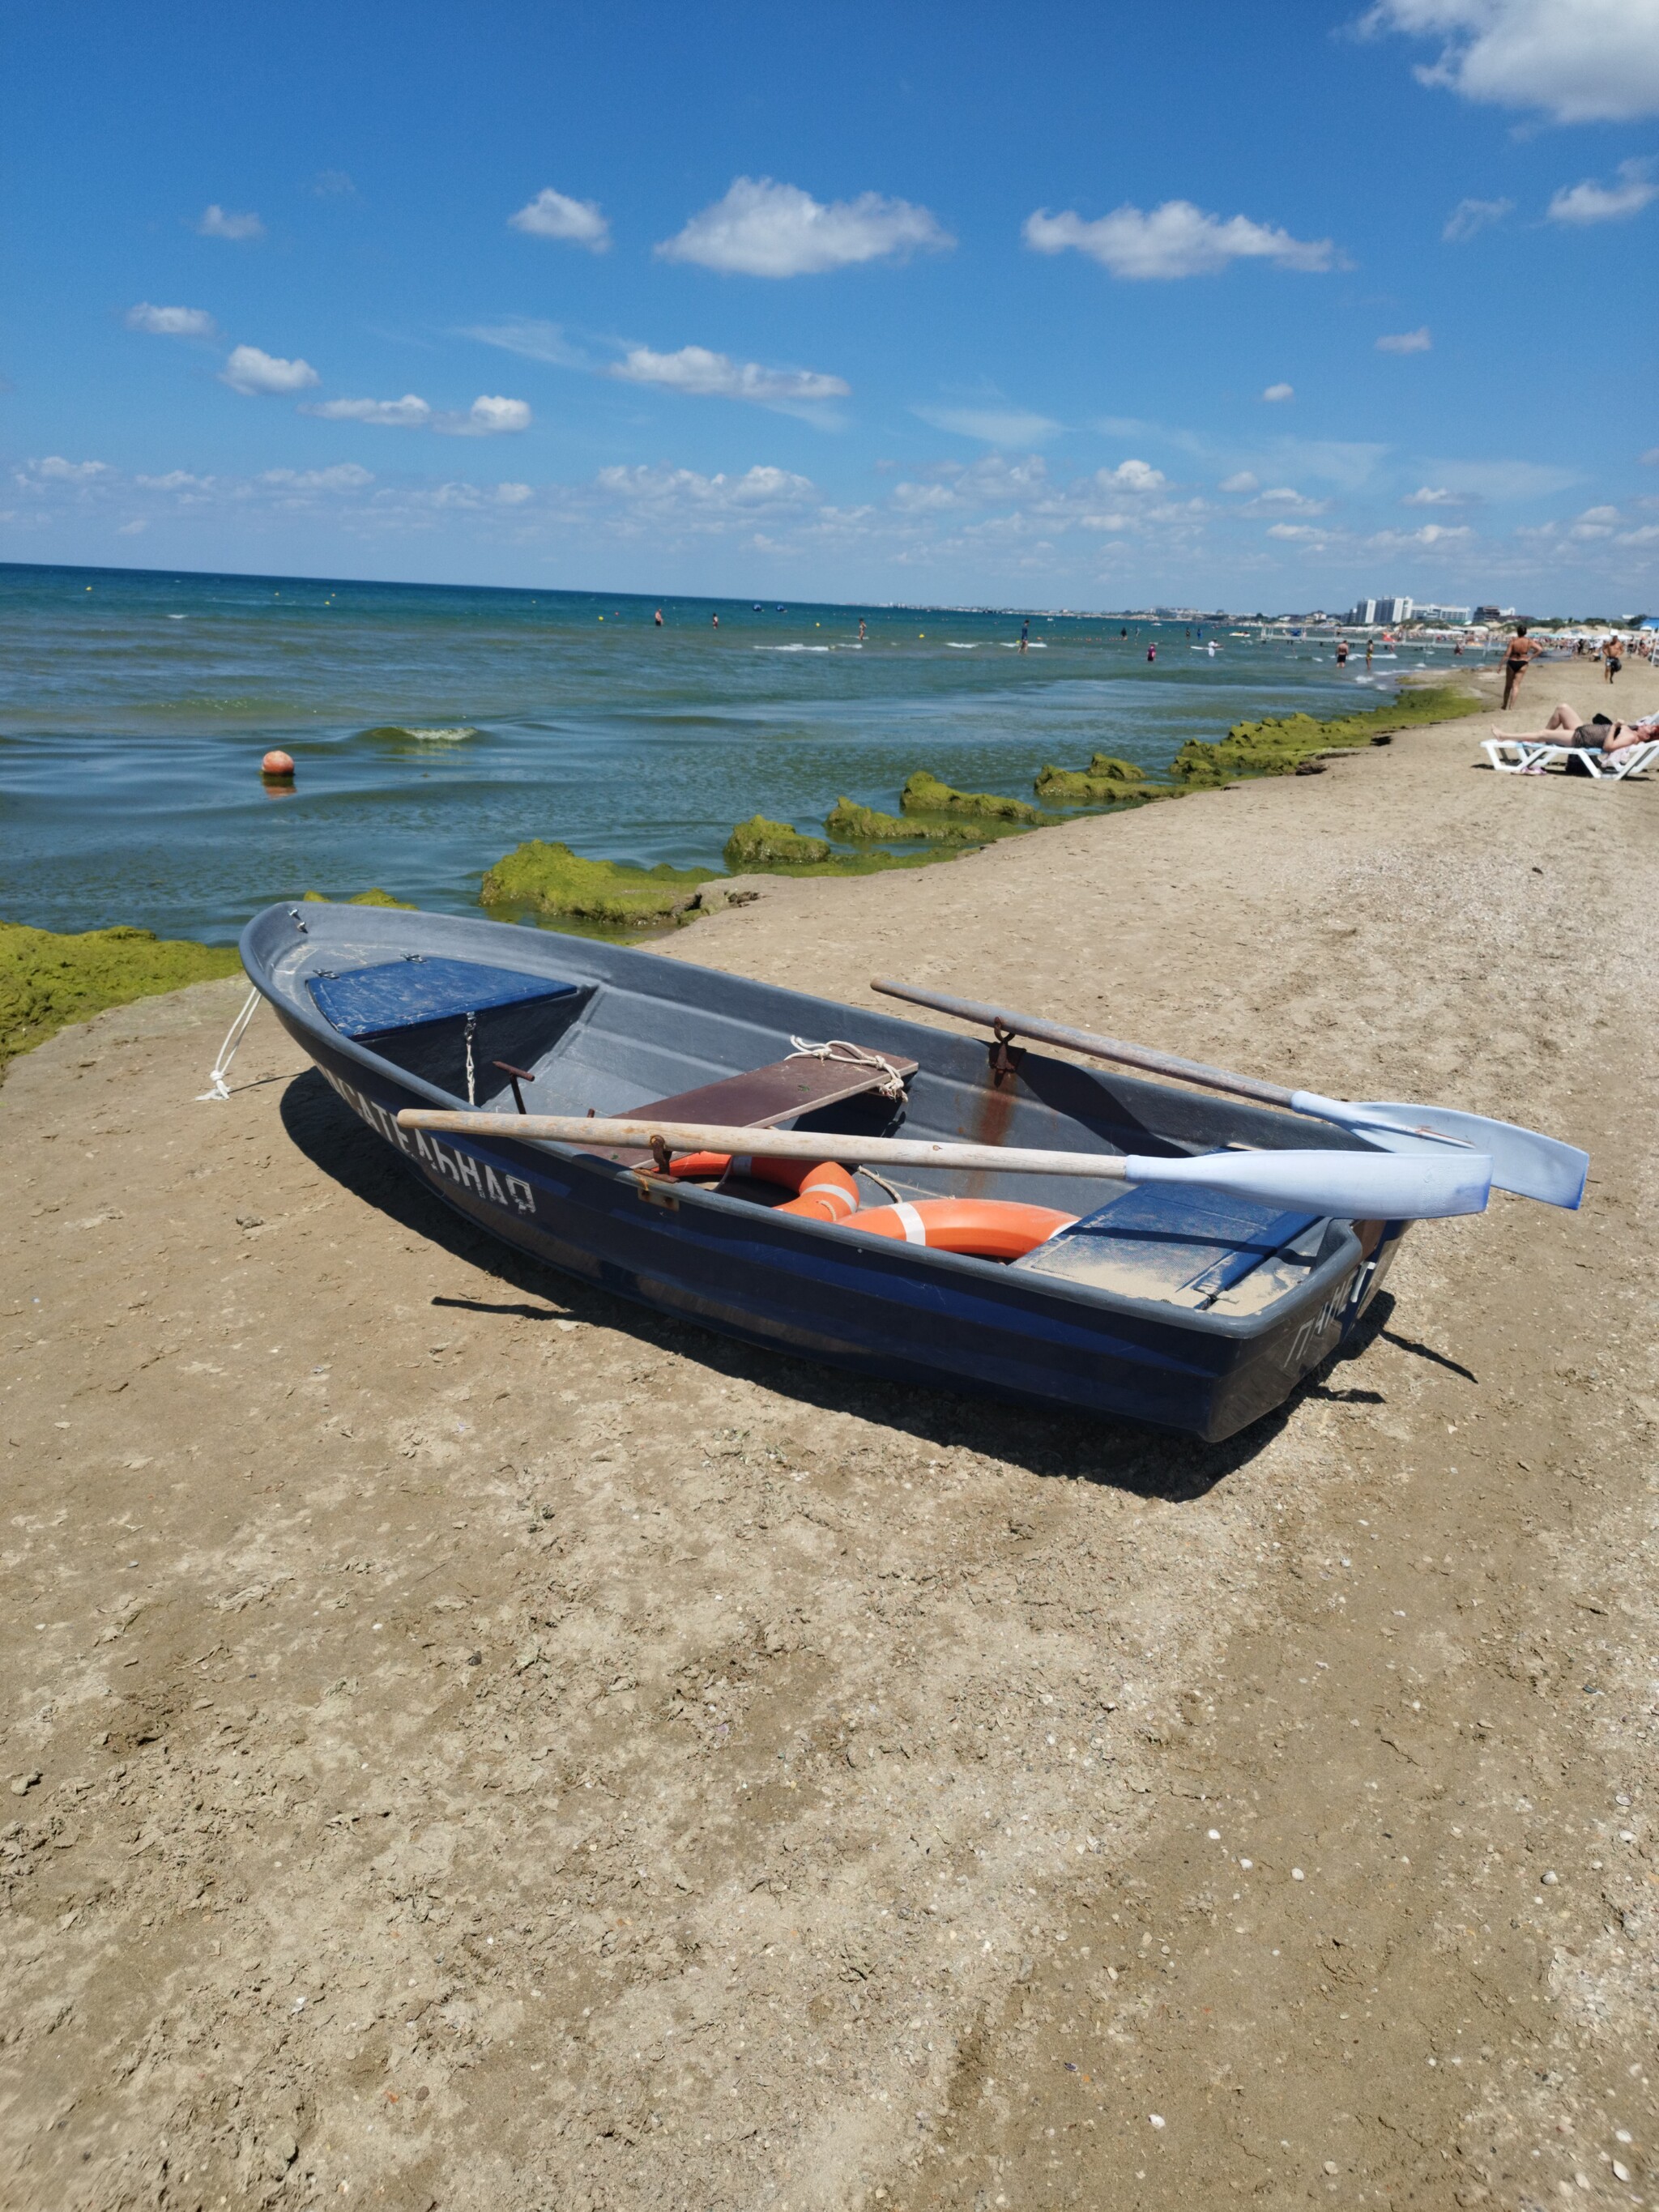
<point>1184,1308</point>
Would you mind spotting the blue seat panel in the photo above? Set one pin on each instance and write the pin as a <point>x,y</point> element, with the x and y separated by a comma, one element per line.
<point>396,995</point>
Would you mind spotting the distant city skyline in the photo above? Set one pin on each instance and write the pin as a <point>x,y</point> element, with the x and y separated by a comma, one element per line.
<point>918,305</point>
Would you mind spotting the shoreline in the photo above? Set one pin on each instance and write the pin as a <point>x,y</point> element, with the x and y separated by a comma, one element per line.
<point>49,979</point>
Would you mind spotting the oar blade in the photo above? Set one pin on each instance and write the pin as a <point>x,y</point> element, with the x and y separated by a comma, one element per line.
<point>1351,1186</point>
<point>1522,1160</point>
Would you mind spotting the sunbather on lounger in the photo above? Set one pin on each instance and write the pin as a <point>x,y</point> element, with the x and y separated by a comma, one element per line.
<point>1564,727</point>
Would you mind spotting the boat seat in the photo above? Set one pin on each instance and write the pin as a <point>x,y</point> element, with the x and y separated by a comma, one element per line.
<point>399,994</point>
<point>764,1096</point>
<point>1181,1245</point>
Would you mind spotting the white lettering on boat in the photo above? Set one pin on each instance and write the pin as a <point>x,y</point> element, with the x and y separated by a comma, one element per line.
<point>461,1167</point>
<point>1313,1332</point>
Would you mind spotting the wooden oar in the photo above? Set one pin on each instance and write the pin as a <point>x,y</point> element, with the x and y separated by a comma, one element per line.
<point>1352,1186</point>
<point>1523,1161</point>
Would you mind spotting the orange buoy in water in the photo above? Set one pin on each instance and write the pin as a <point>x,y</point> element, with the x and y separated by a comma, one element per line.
<point>986,1228</point>
<point>278,766</point>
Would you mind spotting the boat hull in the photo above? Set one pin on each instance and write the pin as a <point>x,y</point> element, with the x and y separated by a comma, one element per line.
<point>915,1317</point>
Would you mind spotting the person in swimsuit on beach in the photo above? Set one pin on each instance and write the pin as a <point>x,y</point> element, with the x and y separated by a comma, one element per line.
<point>1342,653</point>
<point>1515,660</point>
<point>1566,727</point>
<point>1612,657</point>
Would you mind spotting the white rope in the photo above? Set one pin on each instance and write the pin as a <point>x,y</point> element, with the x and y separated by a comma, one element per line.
<point>881,1182</point>
<point>237,1031</point>
<point>472,1090</point>
<point>855,1055</point>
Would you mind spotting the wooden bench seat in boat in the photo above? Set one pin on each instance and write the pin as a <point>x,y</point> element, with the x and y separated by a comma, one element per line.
<point>764,1096</point>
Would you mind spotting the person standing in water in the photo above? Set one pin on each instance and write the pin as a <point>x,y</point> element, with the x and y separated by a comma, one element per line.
<point>715,620</point>
<point>1342,653</point>
<point>863,630</point>
<point>1025,634</point>
<point>1151,652</point>
<point>657,618</point>
<point>1371,647</point>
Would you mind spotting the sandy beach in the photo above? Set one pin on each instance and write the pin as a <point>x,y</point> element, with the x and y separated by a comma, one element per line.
<point>472,1744</point>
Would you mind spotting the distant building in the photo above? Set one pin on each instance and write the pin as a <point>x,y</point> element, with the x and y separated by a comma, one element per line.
<point>1362,614</point>
<point>1394,611</point>
<point>1425,612</point>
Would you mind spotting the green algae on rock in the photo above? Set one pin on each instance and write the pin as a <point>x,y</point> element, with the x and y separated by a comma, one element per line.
<point>375,896</point>
<point>761,844</point>
<point>550,879</point>
<point>1106,781</point>
<point>868,825</point>
<point>924,793</point>
<point>1278,744</point>
<point>47,981</point>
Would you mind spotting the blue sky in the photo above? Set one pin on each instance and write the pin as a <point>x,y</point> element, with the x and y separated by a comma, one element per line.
<point>1080,305</point>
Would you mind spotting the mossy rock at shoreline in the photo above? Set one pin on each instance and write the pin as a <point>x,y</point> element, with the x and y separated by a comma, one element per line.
<point>550,879</point>
<point>1105,781</point>
<point>47,981</point>
<point>761,844</point>
<point>1279,743</point>
<point>375,896</point>
<point>868,825</point>
<point>924,793</point>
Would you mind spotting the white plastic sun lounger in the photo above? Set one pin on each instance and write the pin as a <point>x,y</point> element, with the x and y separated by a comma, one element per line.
<point>1527,757</point>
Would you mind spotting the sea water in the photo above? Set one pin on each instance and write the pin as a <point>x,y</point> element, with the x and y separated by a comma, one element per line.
<point>433,728</point>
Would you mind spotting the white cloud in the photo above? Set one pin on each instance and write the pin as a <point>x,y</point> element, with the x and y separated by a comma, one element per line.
<point>172,322</point>
<point>533,339</point>
<point>1596,522</point>
<point>993,426</point>
<point>1134,475</point>
<point>925,499</point>
<point>764,229</point>
<point>488,416</point>
<point>344,475</point>
<point>1284,499</point>
<point>1580,60</point>
<point>513,495</point>
<point>1297,533</point>
<point>696,370</point>
<point>1593,203</point>
<point>1418,341</point>
<point>1278,391</point>
<point>175,480</point>
<point>1242,481</point>
<point>1431,495</point>
<point>1470,217</point>
<point>1175,240</point>
<point>254,372</point>
<point>552,215</point>
<point>332,184</point>
<point>132,529</point>
<point>1502,480</point>
<point>761,486</point>
<point>1647,534</point>
<point>409,413</point>
<point>54,468</point>
<point>1431,533</point>
<point>214,223</point>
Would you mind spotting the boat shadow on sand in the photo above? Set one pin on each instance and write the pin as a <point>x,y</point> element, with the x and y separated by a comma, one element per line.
<point>1145,1462</point>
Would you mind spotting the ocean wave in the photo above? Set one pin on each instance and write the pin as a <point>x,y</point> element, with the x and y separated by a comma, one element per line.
<point>411,733</point>
<point>791,648</point>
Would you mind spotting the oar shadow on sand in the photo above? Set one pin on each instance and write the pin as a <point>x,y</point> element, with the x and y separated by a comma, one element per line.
<point>1064,1447</point>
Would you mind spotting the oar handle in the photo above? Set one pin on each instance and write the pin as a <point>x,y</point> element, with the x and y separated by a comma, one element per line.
<point>1099,1048</point>
<point>636,1134</point>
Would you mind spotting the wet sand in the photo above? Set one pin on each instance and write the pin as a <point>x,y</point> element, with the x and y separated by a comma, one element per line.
<point>473,1744</point>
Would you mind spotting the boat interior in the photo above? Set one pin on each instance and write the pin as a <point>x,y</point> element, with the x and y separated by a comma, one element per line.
<point>619,1031</point>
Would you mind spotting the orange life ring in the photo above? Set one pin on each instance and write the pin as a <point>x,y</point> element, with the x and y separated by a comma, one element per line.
<point>827,1192</point>
<point>986,1228</point>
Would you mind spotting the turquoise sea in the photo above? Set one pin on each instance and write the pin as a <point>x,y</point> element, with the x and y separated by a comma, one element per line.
<point>435,728</point>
